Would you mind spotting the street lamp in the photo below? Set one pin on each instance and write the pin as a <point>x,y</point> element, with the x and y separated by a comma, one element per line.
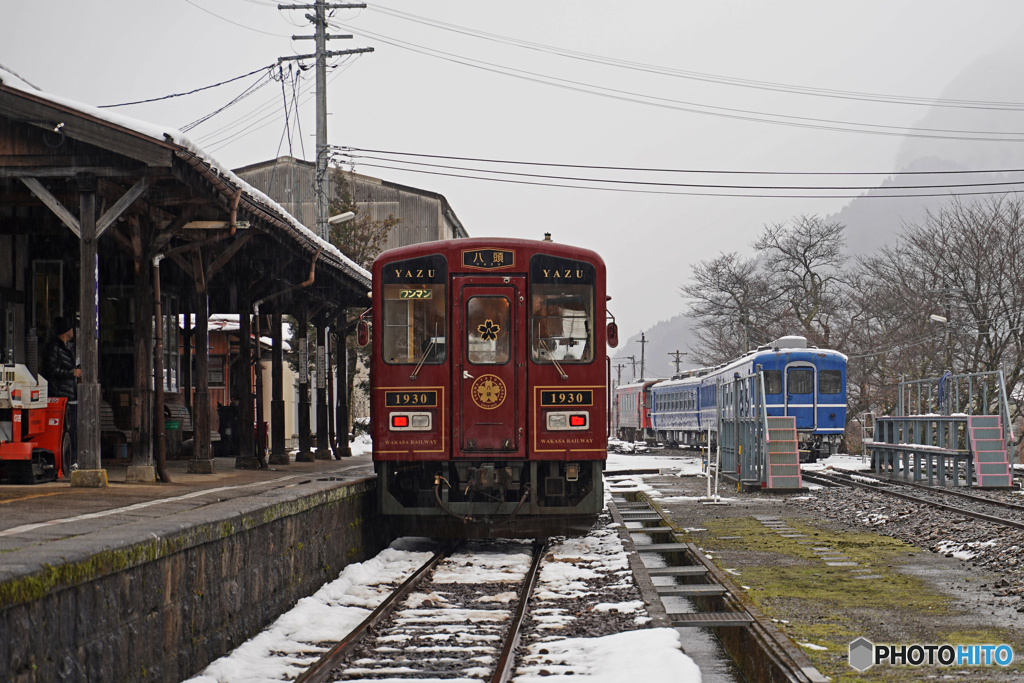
<point>943,320</point>
<point>341,218</point>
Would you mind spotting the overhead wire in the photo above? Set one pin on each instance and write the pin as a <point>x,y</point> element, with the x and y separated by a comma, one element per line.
<point>263,81</point>
<point>685,193</point>
<point>519,162</point>
<point>732,113</point>
<point>248,28</point>
<point>190,92</point>
<point>692,185</point>
<point>696,75</point>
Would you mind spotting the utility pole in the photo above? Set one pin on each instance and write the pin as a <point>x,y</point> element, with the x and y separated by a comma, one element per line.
<point>643,343</point>
<point>632,359</point>
<point>618,368</point>
<point>677,358</point>
<point>947,293</point>
<point>319,20</point>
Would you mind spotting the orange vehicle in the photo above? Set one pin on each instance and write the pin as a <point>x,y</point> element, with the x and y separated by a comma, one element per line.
<point>488,373</point>
<point>34,446</point>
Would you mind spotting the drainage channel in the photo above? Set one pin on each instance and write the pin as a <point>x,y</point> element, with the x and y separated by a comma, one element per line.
<point>715,618</point>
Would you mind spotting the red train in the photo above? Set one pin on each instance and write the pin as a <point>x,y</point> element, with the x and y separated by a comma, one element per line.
<point>632,414</point>
<point>488,374</point>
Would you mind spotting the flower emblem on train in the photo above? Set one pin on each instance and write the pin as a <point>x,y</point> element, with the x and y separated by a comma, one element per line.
<point>488,331</point>
<point>488,392</point>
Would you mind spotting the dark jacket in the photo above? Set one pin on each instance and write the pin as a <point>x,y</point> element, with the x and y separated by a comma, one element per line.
<point>58,368</point>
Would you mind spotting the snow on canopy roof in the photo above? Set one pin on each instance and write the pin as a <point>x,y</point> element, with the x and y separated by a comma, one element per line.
<point>167,134</point>
<point>228,322</point>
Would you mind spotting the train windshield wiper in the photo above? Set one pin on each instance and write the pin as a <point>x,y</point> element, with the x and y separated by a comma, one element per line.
<point>552,357</point>
<point>426,352</point>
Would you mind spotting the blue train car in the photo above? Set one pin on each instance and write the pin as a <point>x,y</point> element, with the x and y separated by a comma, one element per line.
<point>807,383</point>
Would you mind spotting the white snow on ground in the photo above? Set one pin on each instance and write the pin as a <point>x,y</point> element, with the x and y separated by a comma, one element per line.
<point>326,616</point>
<point>288,646</point>
<point>963,551</point>
<point>478,566</point>
<point>668,464</point>
<point>839,461</point>
<point>653,654</point>
<point>812,646</point>
<point>363,445</point>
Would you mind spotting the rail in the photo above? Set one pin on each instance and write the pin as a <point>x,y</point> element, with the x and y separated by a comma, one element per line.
<point>818,478</point>
<point>321,669</point>
<point>508,651</point>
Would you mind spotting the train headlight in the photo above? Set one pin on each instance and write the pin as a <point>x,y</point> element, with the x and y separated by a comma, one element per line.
<point>564,420</point>
<point>410,422</point>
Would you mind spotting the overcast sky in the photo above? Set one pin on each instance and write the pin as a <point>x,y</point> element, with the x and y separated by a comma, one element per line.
<point>400,99</point>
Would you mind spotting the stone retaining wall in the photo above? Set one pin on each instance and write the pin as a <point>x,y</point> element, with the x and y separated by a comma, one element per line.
<point>159,600</point>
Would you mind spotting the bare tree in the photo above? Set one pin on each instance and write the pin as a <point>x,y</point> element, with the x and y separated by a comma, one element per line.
<point>805,262</point>
<point>730,298</point>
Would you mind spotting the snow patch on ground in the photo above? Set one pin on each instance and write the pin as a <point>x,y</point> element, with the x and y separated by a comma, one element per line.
<point>611,659</point>
<point>285,649</point>
<point>679,465</point>
<point>839,461</point>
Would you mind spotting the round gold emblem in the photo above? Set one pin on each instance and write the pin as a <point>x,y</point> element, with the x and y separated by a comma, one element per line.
<point>488,391</point>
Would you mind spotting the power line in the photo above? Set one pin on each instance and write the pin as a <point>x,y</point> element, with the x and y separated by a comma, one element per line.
<point>693,185</point>
<point>264,80</point>
<point>190,92</point>
<point>692,194</point>
<point>671,170</point>
<point>248,28</point>
<point>691,107</point>
<point>701,76</point>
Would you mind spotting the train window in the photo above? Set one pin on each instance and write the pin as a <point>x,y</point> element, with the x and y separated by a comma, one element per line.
<point>830,381</point>
<point>414,307</point>
<point>800,381</point>
<point>488,330</point>
<point>561,309</point>
<point>773,381</point>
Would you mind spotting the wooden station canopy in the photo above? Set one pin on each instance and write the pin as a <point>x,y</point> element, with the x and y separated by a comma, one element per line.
<point>120,191</point>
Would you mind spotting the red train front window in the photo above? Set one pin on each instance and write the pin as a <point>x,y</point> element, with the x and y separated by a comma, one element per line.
<point>414,311</point>
<point>488,330</point>
<point>561,309</point>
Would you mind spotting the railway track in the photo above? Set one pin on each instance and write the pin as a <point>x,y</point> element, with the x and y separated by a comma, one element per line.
<point>978,507</point>
<point>459,615</point>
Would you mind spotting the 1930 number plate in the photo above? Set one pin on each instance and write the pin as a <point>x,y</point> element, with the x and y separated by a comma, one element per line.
<point>567,397</point>
<point>403,399</point>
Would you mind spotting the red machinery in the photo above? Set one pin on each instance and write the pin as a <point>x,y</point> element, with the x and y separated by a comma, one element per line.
<point>33,444</point>
<point>488,378</point>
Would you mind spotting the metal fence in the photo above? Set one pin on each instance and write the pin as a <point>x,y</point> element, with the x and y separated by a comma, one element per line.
<point>976,393</point>
<point>743,427</point>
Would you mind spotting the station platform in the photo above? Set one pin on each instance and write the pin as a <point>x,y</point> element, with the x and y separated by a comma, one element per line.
<point>153,581</point>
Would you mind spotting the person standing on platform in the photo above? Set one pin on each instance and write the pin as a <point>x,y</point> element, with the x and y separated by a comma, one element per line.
<point>59,369</point>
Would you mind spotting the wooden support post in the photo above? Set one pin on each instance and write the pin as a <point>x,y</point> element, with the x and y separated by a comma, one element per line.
<point>261,411</point>
<point>341,381</point>
<point>159,435</point>
<point>142,389</point>
<point>186,355</point>
<point>278,450</point>
<point>323,445</point>
<point>202,457</point>
<point>331,395</point>
<point>246,457</point>
<point>304,454</point>
<point>91,474</point>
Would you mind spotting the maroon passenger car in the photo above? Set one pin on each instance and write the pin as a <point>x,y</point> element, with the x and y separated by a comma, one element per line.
<point>488,387</point>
